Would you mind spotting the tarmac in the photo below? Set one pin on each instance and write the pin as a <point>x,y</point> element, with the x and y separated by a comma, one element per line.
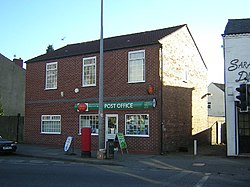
<point>210,159</point>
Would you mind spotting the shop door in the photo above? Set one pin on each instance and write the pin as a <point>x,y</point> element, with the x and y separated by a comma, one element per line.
<point>244,132</point>
<point>111,126</point>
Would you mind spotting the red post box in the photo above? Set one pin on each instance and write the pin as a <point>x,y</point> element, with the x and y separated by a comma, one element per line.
<point>86,142</point>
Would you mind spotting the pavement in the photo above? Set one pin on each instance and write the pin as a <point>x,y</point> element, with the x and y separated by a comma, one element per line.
<point>74,154</point>
<point>211,159</point>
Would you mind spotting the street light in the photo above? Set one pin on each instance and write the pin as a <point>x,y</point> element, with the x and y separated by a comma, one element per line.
<point>101,143</point>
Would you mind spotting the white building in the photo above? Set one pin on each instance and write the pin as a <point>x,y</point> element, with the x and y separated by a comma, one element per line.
<point>236,42</point>
<point>216,113</point>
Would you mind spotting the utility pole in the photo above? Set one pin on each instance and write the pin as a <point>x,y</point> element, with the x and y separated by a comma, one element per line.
<point>100,130</point>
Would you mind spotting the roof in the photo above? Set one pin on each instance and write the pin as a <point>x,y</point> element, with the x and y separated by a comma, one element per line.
<point>220,86</point>
<point>237,26</point>
<point>3,58</point>
<point>112,43</point>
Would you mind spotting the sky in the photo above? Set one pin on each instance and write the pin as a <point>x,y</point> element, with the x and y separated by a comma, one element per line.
<point>29,26</point>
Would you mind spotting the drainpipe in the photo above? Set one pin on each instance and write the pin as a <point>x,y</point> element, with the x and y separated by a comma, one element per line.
<point>161,97</point>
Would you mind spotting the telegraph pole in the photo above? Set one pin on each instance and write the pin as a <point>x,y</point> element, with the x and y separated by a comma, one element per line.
<point>100,130</point>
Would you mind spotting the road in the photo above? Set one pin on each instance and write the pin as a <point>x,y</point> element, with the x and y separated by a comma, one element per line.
<point>25,171</point>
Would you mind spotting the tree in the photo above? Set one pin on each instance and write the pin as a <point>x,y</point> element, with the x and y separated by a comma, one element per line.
<point>49,49</point>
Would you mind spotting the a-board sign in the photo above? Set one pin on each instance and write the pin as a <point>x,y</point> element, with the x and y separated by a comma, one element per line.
<point>122,142</point>
<point>68,143</point>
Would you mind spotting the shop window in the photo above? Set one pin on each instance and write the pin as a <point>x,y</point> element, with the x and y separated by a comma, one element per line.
<point>51,124</point>
<point>90,120</point>
<point>244,124</point>
<point>51,76</point>
<point>137,125</point>
<point>89,72</point>
<point>136,66</point>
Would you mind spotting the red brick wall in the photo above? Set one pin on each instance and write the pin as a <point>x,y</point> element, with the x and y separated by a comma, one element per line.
<point>41,102</point>
<point>70,77</point>
<point>177,118</point>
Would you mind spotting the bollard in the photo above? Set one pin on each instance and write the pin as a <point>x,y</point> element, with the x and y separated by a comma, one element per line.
<point>195,147</point>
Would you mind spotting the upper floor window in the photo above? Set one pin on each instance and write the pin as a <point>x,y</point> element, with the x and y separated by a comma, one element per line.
<point>89,71</point>
<point>136,66</point>
<point>51,75</point>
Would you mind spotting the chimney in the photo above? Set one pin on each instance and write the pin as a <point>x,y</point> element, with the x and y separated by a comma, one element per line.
<point>18,62</point>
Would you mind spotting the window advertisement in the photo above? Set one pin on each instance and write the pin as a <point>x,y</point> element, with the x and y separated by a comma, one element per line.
<point>137,124</point>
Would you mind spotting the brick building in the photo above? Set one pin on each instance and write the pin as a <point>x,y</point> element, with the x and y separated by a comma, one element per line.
<point>12,86</point>
<point>153,87</point>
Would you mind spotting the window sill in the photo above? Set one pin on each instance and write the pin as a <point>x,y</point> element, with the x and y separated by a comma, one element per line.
<point>50,89</point>
<point>139,136</point>
<point>50,133</point>
<point>92,134</point>
<point>86,86</point>
<point>136,82</point>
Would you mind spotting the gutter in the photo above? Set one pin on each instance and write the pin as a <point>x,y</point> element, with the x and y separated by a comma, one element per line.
<point>161,97</point>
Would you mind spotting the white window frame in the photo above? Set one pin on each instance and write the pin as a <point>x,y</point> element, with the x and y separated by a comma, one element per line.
<point>143,66</point>
<point>54,122</point>
<point>185,74</point>
<point>137,126</point>
<point>94,131</point>
<point>51,76</point>
<point>84,84</point>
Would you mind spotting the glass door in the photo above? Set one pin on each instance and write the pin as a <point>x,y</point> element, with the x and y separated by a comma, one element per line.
<point>111,126</point>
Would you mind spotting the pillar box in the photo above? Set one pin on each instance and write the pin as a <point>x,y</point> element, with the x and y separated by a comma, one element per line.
<point>86,142</point>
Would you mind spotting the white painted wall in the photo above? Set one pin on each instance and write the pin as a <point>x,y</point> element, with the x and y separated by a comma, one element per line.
<point>237,67</point>
<point>217,101</point>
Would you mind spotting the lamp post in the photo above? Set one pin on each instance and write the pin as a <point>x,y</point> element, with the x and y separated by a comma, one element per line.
<point>101,143</point>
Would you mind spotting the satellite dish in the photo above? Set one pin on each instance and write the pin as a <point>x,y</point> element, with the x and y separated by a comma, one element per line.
<point>68,143</point>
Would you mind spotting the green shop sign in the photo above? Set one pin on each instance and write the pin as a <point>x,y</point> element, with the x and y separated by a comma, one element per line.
<point>117,105</point>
